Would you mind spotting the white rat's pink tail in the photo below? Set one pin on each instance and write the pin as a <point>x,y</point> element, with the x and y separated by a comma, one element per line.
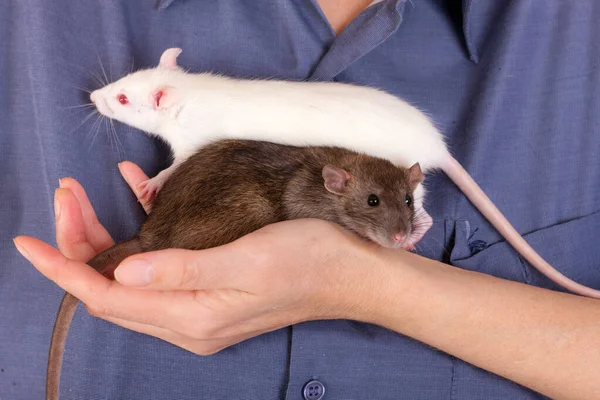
<point>469,187</point>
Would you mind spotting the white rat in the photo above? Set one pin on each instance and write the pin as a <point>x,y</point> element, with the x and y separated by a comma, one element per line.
<point>190,110</point>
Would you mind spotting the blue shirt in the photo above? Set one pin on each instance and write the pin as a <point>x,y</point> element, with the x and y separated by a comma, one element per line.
<point>514,85</point>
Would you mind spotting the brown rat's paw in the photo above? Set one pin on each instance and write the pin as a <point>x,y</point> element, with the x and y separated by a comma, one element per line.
<point>409,246</point>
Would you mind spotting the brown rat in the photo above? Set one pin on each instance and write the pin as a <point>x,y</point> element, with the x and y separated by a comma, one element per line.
<point>231,188</point>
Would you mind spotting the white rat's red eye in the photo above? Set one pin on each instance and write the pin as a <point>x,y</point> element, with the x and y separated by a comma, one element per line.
<point>122,99</point>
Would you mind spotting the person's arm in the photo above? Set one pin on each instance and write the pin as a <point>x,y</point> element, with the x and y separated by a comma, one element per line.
<point>542,339</point>
<point>302,270</point>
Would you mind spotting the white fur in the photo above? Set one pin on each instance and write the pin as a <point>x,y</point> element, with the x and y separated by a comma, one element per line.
<point>207,107</point>
<point>303,113</point>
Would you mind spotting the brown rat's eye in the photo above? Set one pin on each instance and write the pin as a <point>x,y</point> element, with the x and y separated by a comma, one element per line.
<point>408,200</point>
<point>122,99</point>
<point>373,200</point>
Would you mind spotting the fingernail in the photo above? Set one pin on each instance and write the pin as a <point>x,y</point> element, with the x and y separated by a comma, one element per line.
<point>135,273</point>
<point>22,250</point>
<point>56,206</point>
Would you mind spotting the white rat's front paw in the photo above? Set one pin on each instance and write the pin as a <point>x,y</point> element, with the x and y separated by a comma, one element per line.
<point>148,189</point>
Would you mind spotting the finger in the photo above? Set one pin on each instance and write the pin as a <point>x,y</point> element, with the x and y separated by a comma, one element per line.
<point>106,297</point>
<point>97,236</point>
<point>70,228</point>
<point>178,269</point>
<point>134,175</point>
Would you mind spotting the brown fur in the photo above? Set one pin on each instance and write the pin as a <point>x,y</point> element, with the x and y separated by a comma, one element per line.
<point>233,187</point>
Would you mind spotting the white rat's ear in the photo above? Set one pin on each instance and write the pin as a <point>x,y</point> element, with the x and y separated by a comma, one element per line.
<point>168,59</point>
<point>335,179</point>
<point>163,97</point>
<point>415,176</point>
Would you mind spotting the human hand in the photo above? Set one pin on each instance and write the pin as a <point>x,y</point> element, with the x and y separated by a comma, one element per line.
<point>207,300</point>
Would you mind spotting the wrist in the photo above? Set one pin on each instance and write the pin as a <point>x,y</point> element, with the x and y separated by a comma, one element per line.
<point>398,288</point>
<point>372,283</point>
<point>391,280</point>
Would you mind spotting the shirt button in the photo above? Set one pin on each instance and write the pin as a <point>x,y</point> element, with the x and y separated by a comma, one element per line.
<point>314,390</point>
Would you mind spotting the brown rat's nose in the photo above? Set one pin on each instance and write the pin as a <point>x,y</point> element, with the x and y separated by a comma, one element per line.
<point>399,237</point>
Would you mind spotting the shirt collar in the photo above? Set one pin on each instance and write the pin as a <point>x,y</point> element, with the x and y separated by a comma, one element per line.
<point>469,27</point>
<point>162,4</point>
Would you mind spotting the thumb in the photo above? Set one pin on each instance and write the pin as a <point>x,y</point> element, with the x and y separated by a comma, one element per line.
<point>178,269</point>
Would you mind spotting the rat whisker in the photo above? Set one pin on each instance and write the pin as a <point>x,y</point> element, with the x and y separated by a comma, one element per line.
<point>82,70</point>
<point>83,89</point>
<point>87,117</point>
<point>419,215</point>
<point>110,138</point>
<point>419,221</point>
<point>118,141</point>
<point>113,143</point>
<point>80,106</point>
<point>95,129</point>
<point>421,248</point>
<point>421,211</point>
<point>421,225</point>
<point>98,78</point>
<point>103,70</point>
<point>74,110</point>
<point>92,137</point>
<point>418,224</point>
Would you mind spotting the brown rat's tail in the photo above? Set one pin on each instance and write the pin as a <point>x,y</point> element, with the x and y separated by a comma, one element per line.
<point>107,260</point>
<point>474,193</point>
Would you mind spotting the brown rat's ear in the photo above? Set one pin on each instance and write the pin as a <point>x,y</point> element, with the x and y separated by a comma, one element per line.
<point>415,176</point>
<point>335,179</point>
<point>168,59</point>
<point>162,97</point>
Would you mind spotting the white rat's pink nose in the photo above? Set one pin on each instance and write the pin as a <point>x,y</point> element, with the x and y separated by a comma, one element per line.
<point>93,97</point>
<point>399,237</point>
